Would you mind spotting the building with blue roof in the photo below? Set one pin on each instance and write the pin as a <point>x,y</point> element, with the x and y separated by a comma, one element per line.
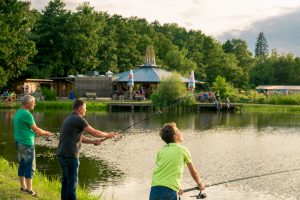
<point>146,77</point>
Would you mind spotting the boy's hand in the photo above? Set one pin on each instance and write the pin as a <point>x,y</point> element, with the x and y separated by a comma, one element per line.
<point>180,192</point>
<point>201,187</point>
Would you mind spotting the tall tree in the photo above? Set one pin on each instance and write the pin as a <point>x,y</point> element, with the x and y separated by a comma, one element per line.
<point>82,40</point>
<point>261,46</point>
<point>16,49</point>
<point>244,57</point>
<point>49,37</point>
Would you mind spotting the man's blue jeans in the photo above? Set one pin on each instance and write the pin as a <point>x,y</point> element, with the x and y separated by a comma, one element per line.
<point>69,180</point>
<point>162,193</point>
<point>26,160</point>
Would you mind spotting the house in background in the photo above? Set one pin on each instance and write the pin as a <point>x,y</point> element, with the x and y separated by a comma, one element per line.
<point>101,86</point>
<point>30,86</point>
<point>278,89</point>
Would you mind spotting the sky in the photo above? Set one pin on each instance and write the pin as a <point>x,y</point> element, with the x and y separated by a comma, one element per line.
<point>222,19</point>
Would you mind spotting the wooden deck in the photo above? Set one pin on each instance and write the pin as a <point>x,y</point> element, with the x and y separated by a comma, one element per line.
<point>148,106</point>
<point>212,106</point>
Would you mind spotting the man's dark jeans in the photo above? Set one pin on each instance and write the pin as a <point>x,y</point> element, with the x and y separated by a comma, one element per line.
<point>70,167</point>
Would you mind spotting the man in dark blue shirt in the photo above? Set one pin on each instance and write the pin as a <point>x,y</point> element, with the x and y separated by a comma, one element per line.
<point>69,145</point>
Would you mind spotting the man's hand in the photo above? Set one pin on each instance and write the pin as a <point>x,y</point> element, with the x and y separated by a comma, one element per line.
<point>98,141</point>
<point>48,134</point>
<point>113,134</point>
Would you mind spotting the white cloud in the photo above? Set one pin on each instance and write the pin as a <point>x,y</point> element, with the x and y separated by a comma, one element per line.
<point>213,17</point>
<point>282,33</point>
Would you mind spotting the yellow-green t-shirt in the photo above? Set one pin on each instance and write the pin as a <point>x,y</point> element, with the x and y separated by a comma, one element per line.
<point>23,119</point>
<point>170,161</point>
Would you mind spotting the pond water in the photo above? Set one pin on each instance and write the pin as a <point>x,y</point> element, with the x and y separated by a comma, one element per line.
<point>224,146</point>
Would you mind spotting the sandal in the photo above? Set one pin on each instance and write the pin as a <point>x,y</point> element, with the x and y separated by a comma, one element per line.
<point>22,189</point>
<point>32,193</point>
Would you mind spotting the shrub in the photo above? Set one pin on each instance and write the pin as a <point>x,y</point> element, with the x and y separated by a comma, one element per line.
<point>170,91</point>
<point>49,94</point>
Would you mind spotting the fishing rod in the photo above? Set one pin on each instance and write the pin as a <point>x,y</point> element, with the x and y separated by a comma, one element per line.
<point>150,116</point>
<point>154,114</point>
<point>203,195</point>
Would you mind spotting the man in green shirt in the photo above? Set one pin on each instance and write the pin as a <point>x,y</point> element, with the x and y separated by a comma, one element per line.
<point>170,162</point>
<point>24,134</point>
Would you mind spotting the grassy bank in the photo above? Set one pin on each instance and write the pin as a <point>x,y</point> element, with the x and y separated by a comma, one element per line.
<point>46,189</point>
<point>95,106</point>
<point>271,108</point>
<point>91,105</point>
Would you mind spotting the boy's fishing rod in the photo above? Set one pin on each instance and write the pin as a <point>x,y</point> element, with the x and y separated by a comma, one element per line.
<point>237,179</point>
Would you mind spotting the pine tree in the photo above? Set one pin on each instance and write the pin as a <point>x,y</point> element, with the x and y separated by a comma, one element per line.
<point>261,46</point>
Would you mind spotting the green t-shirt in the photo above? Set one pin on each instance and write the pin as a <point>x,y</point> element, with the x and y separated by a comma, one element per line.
<point>170,161</point>
<point>23,134</point>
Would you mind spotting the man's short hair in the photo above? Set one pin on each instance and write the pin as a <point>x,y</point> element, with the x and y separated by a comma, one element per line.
<point>167,132</point>
<point>27,99</point>
<point>77,104</point>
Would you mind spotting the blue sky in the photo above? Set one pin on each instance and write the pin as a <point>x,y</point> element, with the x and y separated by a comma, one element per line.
<point>222,19</point>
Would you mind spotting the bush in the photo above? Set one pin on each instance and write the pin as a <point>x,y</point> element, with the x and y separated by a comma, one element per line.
<point>222,87</point>
<point>48,94</point>
<point>170,91</point>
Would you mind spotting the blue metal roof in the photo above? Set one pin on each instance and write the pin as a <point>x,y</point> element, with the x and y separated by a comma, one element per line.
<point>147,74</point>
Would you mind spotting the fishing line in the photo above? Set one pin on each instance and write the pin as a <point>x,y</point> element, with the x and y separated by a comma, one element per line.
<point>154,114</point>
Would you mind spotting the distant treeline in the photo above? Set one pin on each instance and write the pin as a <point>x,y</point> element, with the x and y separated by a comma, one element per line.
<point>58,42</point>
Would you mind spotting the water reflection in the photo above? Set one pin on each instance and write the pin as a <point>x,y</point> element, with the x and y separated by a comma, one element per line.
<point>91,171</point>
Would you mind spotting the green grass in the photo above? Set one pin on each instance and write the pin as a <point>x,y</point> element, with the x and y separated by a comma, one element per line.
<point>46,189</point>
<point>67,105</point>
<point>271,108</point>
<point>284,99</point>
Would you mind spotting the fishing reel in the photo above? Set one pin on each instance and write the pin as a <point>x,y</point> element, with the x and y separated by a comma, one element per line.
<point>200,195</point>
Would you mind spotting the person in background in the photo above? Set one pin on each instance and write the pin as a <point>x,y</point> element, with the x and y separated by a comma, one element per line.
<point>170,161</point>
<point>228,103</point>
<point>69,145</point>
<point>25,131</point>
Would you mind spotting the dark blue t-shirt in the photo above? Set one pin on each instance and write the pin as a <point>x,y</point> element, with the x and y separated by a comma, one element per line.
<point>70,137</point>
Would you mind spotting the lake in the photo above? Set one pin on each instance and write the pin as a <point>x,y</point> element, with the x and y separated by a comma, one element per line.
<point>224,146</point>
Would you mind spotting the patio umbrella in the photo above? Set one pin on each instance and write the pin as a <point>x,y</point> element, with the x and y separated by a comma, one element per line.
<point>130,83</point>
<point>192,84</point>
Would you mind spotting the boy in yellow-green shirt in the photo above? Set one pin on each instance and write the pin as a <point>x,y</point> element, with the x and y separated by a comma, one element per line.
<point>169,168</point>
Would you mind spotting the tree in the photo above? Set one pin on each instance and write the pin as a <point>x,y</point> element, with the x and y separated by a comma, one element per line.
<point>82,40</point>
<point>16,49</point>
<point>244,57</point>
<point>48,35</point>
<point>261,46</point>
<point>222,87</point>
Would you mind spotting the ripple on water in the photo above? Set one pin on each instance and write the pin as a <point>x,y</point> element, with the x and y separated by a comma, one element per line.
<point>219,154</point>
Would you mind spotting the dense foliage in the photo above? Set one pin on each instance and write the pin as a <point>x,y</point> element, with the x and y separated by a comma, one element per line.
<point>58,42</point>
<point>171,92</point>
